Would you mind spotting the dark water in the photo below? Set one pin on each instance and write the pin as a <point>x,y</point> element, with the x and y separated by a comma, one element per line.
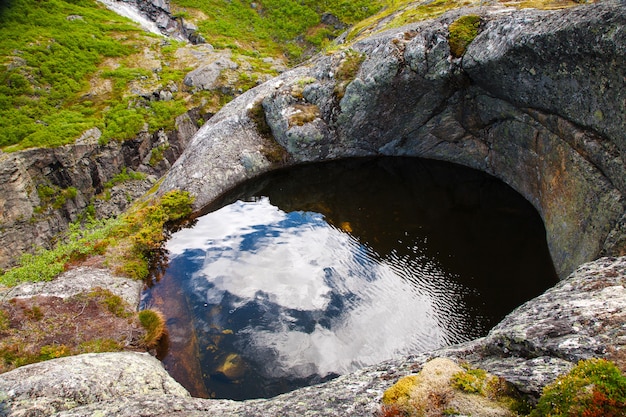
<point>317,271</point>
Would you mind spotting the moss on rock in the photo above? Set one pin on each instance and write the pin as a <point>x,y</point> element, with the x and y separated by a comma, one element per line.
<point>462,33</point>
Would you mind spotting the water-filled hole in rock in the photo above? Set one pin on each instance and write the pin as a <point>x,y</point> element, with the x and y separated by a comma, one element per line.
<point>311,272</point>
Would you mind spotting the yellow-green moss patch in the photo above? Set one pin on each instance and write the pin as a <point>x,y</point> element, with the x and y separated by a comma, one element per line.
<point>462,33</point>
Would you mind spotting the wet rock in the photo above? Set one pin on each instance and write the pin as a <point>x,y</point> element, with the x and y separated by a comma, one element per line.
<point>232,367</point>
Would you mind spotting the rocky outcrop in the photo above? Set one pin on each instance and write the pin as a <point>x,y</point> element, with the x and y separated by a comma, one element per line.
<point>66,383</point>
<point>77,281</point>
<point>43,190</point>
<point>581,317</point>
<point>155,16</point>
<point>537,100</point>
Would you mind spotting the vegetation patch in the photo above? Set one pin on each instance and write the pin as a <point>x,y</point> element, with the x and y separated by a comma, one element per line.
<point>444,388</point>
<point>157,154</point>
<point>125,175</point>
<point>47,59</point>
<point>52,196</point>
<point>462,33</point>
<point>347,70</point>
<point>303,114</point>
<point>271,150</point>
<point>154,324</point>
<point>274,27</point>
<point>41,328</point>
<point>128,243</point>
<point>593,388</point>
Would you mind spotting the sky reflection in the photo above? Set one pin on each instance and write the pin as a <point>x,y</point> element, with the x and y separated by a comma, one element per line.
<point>361,309</point>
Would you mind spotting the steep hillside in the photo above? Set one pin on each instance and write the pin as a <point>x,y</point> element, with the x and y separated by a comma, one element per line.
<point>68,66</point>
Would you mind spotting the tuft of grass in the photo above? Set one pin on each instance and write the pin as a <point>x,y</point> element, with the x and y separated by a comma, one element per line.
<point>347,70</point>
<point>593,388</point>
<point>114,303</point>
<point>303,114</point>
<point>154,324</point>
<point>99,345</point>
<point>462,33</point>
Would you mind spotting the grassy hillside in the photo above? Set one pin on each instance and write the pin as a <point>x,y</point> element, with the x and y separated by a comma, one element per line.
<point>69,65</point>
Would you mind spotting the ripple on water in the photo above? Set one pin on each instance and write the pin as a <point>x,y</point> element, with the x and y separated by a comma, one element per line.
<point>280,298</point>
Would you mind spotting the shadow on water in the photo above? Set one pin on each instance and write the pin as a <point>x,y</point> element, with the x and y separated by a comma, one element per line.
<point>315,271</point>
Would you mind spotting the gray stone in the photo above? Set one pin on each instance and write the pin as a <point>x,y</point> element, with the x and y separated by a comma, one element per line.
<point>49,387</point>
<point>76,281</point>
<point>206,76</point>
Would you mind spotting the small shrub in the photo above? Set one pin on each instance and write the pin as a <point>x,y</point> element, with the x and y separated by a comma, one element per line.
<point>400,392</point>
<point>48,352</point>
<point>124,176</point>
<point>471,380</point>
<point>462,33</point>
<point>154,324</point>
<point>157,154</point>
<point>593,388</point>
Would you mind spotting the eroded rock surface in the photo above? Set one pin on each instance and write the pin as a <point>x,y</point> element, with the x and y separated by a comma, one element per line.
<point>77,281</point>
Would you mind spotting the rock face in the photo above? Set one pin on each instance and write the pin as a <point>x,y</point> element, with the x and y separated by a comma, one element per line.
<point>27,220</point>
<point>537,100</point>
<point>53,386</point>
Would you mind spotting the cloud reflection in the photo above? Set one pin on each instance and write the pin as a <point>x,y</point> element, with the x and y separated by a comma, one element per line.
<point>361,309</point>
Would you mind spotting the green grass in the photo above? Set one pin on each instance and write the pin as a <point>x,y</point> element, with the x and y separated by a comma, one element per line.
<point>593,388</point>
<point>129,242</point>
<point>45,62</point>
<point>462,33</point>
<point>274,26</point>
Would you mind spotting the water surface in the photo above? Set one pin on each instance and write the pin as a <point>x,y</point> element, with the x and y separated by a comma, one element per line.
<point>316,271</point>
